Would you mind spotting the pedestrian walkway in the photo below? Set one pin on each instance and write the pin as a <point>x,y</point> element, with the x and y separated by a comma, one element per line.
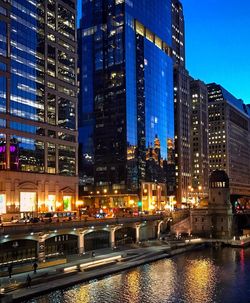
<point>73,260</point>
<point>57,277</point>
<point>58,270</point>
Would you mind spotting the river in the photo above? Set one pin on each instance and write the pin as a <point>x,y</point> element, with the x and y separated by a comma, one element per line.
<point>204,276</point>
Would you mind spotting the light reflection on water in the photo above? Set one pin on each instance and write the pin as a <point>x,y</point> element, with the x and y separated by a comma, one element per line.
<point>205,276</point>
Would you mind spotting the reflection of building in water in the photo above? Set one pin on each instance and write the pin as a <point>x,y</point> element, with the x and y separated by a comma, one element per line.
<point>38,106</point>
<point>154,152</point>
<point>169,168</point>
<point>131,152</point>
<point>170,145</point>
<point>154,162</point>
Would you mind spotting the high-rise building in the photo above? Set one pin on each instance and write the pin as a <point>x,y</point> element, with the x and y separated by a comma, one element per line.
<point>181,105</point>
<point>199,138</point>
<point>38,106</point>
<point>182,133</point>
<point>229,138</point>
<point>178,33</point>
<point>126,99</point>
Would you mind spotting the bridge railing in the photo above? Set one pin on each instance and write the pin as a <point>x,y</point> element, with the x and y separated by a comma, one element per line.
<point>46,227</point>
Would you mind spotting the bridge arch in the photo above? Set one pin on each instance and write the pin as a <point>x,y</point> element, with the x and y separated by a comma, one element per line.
<point>96,239</point>
<point>125,235</point>
<point>61,244</point>
<point>18,250</point>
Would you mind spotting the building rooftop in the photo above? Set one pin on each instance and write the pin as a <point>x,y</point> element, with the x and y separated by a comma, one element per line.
<point>219,178</point>
<point>216,92</point>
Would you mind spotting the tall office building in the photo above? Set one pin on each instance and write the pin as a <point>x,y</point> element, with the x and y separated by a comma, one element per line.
<point>126,100</point>
<point>178,33</point>
<point>38,106</point>
<point>199,138</point>
<point>229,138</point>
<point>182,105</point>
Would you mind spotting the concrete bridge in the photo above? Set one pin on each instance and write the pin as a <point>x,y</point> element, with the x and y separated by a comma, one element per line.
<point>22,242</point>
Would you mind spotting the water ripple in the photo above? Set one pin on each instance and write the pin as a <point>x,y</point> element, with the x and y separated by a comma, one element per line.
<point>209,276</point>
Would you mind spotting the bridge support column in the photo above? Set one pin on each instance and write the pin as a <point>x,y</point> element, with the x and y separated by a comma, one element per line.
<point>112,237</point>
<point>41,248</point>
<point>80,243</point>
<point>159,229</point>
<point>137,234</point>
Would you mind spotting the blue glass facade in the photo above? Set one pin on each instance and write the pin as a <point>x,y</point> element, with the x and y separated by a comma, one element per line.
<point>41,92</point>
<point>155,15</point>
<point>126,100</point>
<point>38,104</point>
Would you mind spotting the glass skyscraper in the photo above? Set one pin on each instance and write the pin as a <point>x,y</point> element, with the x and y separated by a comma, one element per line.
<point>38,106</point>
<point>126,115</point>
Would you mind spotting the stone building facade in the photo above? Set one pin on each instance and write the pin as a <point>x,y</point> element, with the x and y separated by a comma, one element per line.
<point>215,220</point>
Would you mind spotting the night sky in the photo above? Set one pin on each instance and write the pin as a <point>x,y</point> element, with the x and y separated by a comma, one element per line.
<point>218,43</point>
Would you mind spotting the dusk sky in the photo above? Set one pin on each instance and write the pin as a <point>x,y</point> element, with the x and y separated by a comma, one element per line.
<point>218,43</point>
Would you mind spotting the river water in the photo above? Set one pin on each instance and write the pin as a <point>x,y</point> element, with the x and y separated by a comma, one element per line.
<point>204,276</point>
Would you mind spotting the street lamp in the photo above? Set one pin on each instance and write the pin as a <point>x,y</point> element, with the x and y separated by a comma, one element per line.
<point>199,192</point>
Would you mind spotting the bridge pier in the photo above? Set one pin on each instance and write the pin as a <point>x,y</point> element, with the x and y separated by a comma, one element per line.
<point>112,237</point>
<point>137,234</point>
<point>159,229</point>
<point>41,248</point>
<point>80,242</point>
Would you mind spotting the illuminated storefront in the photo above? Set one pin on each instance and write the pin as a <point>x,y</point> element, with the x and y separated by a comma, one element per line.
<point>2,204</point>
<point>67,201</point>
<point>38,139</point>
<point>51,203</point>
<point>28,201</point>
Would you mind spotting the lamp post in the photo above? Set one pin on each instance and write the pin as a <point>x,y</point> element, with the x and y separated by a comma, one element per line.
<point>188,195</point>
<point>199,192</point>
<point>192,195</point>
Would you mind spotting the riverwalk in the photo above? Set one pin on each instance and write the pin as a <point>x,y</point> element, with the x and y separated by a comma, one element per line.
<point>85,268</point>
<point>82,268</point>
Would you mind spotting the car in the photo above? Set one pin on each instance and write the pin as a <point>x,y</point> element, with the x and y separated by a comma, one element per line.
<point>144,212</point>
<point>101,215</point>
<point>34,220</point>
<point>183,235</point>
<point>23,220</point>
<point>160,212</point>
